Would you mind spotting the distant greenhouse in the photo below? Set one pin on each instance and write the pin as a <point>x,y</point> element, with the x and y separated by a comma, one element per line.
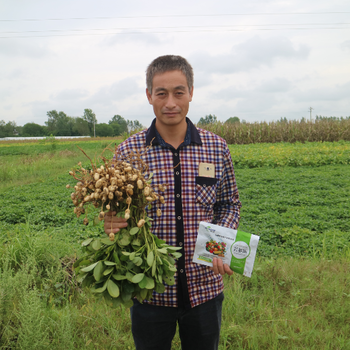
<point>40,138</point>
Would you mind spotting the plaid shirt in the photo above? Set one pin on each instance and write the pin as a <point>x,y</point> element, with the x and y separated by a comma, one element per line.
<point>189,199</point>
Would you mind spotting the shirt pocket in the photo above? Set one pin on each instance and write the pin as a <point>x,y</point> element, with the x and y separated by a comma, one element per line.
<point>206,190</point>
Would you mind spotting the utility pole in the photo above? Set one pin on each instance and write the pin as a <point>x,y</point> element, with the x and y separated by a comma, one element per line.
<point>94,125</point>
<point>310,113</point>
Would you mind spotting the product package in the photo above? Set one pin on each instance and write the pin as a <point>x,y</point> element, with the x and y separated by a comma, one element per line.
<point>235,248</point>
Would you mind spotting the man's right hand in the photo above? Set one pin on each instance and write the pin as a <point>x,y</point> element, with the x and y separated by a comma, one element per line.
<point>113,223</point>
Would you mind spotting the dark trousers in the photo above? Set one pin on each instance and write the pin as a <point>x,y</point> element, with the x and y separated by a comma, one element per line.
<point>154,327</point>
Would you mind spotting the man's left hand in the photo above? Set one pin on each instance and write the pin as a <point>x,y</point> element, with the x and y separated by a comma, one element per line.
<point>220,268</point>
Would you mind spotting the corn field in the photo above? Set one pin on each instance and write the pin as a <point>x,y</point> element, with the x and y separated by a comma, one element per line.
<point>286,131</point>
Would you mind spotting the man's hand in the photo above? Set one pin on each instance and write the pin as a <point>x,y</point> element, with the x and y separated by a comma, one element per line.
<point>112,223</point>
<point>220,268</point>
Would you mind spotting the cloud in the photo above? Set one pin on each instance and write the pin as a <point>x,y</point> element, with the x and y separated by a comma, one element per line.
<point>124,97</point>
<point>251,102</point>
<point>268,87</point>
<point>126,37</point>
<point>345,45</point>
<point>117,92</point>
<point>23,49</point>
<point>70,94</point>
<point>275,85</point>
<point>254,53</point>
<point>17,73</point>
<point>201,79</point>
<point>336,93</point>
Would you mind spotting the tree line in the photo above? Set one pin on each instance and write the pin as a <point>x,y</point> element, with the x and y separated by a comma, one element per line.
<point>60,124</point>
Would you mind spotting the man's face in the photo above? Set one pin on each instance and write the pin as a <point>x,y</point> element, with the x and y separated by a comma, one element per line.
<point>170,97</point>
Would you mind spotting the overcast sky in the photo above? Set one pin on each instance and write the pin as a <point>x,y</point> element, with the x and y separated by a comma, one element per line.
<point>257,60</point>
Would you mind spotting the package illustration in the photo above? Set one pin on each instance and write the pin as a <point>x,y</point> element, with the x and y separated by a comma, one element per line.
<point>235,248</point>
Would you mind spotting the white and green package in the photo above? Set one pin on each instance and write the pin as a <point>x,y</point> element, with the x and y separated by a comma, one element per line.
<point>235,248</point>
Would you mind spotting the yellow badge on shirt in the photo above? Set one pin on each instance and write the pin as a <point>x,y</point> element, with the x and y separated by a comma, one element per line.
<point>206,170</point>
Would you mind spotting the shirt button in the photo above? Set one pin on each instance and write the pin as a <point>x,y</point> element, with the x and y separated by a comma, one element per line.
<point>178,195</point>
<point>182,271</point>
<point>177,173</point>
<point>204,185</point>
<point>180,244</point>
<point>179,217</point>
<point>175,154</point>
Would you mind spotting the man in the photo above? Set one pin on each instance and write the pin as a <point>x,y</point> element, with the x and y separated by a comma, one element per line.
<point>178,149</point>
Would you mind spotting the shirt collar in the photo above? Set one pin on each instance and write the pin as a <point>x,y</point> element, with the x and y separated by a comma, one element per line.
<point>154,138</point>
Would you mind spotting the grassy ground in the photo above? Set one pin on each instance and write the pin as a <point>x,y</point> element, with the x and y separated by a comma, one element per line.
<point>289,303</point>
<point>298,296</point>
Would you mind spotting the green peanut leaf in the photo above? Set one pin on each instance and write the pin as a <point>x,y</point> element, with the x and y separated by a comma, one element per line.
<point>160,270</point>
<point>116,302</point>
<point>162,250</point>
<point>160,288</point>
<point>109,263</point>
<point>96,244</point>
<point>98,270</point>
<point>129,303</point>
<point>87,242</point>
<point>138,278</point>
<point>159,242</point>
<point>132,256</point>
<point>124,258</point>
<point>88,281</point>
<point>118,277</point>
<point>107,241</point>
<point>102,289</point>
<point>176,255</point>
<point>84,262</point>
<point>134,230</point>
<point>172,268</point>
<point>168,273</point>
<point>171,260</point>
<point>150,283</point>
<point>143,283</point>
<point>125,239</point>
<point>126,253</point>
<point>116,258</point>
<point>108,271</point>
<point>77,262</point>
<point>136,241</point>
<point>154,268</point>
<point>169,280</point>
<point>130,265</point>
<point>169,247</point>
<point>113,289</point>
<point>143,294</point>
<point>81,277</point>
<point>90,249</point>
<point>129,276</point>
<point>126,297</point>
<point>90,267</point>
<point>128,288</point>
<point>150,258</point>
<point>138,261</point>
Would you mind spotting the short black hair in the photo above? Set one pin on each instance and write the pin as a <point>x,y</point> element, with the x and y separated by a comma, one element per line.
<point>168,63</point>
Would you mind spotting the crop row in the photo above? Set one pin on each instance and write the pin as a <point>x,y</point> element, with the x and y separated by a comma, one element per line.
<point>280,205</point>
<point>287,131</point>
<point>290,154</point>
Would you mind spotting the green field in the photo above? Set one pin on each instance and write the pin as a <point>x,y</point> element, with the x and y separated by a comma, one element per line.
<point>294,196</point>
